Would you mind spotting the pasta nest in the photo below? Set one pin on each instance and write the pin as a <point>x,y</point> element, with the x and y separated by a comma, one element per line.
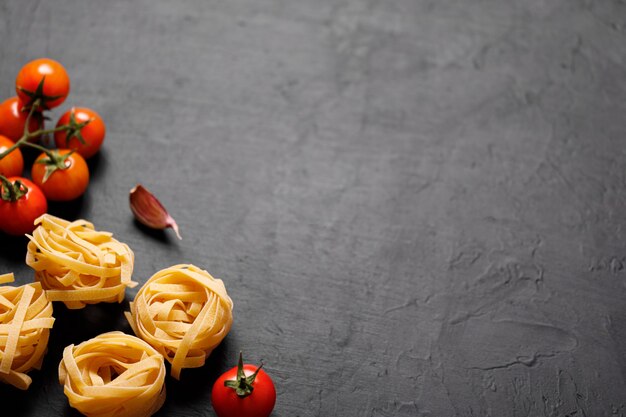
<point>113,374</point>
<point>77,264</point>
<point>184,313</point>
<point>25,323</point>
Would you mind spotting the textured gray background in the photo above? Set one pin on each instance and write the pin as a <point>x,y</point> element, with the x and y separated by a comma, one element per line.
<point>417,206</point>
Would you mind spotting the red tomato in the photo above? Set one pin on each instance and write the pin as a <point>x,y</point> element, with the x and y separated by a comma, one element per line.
<point>248,395</point>
<point>11,165</point>
<point>18,217</point>
<point>44,79</point>
<point>92,133</point>
<point>69,179</point>
<point>13,119</point>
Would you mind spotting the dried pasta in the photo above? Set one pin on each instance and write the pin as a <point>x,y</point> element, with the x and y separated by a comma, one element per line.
<point>77,264</point>
<point>184,313</point>
<point>113,374</point>
<point>25,323</point>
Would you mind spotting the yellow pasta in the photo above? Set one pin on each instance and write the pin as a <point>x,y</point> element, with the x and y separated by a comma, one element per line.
<point>25,323</point>
<point>77,264</point>
<point>113,374</point>
<point>184,313</point>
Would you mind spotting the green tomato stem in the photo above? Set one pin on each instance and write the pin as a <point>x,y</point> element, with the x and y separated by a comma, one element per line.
<point>38,147</point>
<point>12,191</point>
<point>24,140</point>
<point>243,384</point>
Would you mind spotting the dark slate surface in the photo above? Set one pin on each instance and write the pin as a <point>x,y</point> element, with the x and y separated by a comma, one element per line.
<point>417,206</point>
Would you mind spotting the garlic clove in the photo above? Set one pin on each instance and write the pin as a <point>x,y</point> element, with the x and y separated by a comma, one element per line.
<point>149,211</point>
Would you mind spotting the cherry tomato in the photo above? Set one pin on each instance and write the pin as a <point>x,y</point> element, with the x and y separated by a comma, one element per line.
<point>13,119</point>
<point>92,133</point>
<point>44,79</point>
<point>18,217</point>
<point>65,183</point>
<point>250,392</point>
<point>11,165</point>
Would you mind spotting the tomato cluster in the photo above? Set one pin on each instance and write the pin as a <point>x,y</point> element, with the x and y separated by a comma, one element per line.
<point>58,174</point>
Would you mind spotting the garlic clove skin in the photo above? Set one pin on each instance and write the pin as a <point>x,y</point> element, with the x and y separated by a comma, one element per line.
<point>149,211</point>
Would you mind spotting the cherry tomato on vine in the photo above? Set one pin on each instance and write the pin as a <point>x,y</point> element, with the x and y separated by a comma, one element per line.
<point>13,119</point>
<point>63,177</point>
<point>243,391</point>
<point>87,139</point>
<point>12,164</point>
<point>21,202</point>
<point>45,80</point>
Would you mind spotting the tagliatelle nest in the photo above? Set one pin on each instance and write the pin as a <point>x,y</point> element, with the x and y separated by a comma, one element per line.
<point>113,374</point>
<point>184,313</point>
<point>25,323</point>
<point>77,264</point>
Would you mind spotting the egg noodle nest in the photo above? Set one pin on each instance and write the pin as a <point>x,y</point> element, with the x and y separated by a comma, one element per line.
<point>77,264</point>
<point>184,313</point>
<point>113,374</point>
<point>25,323</point>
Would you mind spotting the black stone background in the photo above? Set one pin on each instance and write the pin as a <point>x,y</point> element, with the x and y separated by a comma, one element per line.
<point>416,206</point>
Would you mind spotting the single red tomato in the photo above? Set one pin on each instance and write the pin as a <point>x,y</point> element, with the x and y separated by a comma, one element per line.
<point>62,178</point>
<point>92,134</point>
<point>243,391</point>
<point>13,119</point>
<point>44,79</point>
<point>21,203</point>
<point>12,164</point>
